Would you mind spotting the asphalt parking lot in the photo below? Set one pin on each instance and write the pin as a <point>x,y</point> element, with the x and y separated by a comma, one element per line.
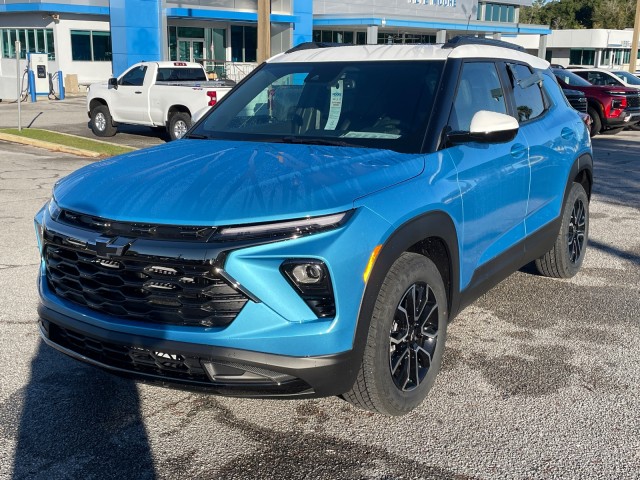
<point>540,378</point>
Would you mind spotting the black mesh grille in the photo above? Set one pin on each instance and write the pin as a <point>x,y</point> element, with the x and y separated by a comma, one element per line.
<point>138,230</point>
<point>633,100</point>
<point>161,291</point>
<point>135,359</point>
<point>579,103</point>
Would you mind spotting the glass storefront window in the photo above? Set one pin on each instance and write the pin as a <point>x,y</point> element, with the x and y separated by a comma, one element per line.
<point>244,44</point>
<point>582,56</point>
<point>87,46</point>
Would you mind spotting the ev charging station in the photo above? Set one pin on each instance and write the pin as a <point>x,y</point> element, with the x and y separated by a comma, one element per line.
<point>40,83</point>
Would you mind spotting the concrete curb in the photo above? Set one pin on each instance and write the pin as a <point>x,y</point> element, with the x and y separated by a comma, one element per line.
<point>54,147</point>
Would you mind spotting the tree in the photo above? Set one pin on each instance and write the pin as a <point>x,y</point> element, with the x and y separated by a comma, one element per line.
<point>563,14</point>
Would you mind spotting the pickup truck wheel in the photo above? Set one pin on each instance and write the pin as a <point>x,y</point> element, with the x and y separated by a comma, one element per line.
<point>406,339</point>
<point>566,256</point>
<point>101,122</point>
<point>596,123</point>
<point>179,123</point>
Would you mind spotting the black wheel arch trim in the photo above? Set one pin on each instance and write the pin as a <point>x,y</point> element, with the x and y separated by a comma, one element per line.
<point>432,224</point>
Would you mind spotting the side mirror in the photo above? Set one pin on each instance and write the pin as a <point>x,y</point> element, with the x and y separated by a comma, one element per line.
<point>113,83</point>
<point>487,127</point>
<point>493,127</point>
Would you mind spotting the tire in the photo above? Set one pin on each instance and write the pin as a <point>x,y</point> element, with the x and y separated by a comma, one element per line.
<point>596,123</point>
<point>179,123</point>
<point>566,256</point>
<point>102,122</point>
<point>389,382</point>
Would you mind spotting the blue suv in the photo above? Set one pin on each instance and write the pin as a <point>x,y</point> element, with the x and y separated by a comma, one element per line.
<point>317,230</point>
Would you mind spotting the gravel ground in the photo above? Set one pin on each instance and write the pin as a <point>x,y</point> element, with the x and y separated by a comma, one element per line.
<point>540,377</point>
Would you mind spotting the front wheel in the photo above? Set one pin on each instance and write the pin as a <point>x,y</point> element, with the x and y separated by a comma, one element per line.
<point>406,339</point>
<point>101,122</point>
<point>566,256</point>
<point>596,123</point>
<point>179,123</point>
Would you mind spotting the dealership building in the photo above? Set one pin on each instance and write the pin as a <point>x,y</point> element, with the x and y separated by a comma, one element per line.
<point>89,41</point>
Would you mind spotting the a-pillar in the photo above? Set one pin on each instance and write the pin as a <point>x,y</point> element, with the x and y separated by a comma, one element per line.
<point>137,32</point>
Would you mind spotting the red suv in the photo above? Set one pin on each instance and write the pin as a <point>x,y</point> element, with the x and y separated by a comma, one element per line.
<point>610,107</point>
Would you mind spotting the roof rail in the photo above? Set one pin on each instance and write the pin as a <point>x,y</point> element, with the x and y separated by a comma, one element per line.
<point>312,45</point>
<point>490,42</point>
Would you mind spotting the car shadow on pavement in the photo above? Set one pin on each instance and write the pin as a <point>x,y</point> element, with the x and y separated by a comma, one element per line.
<point>76,421</point>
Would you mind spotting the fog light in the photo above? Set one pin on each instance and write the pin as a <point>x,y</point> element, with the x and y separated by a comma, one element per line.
<point>312,281</point>
<point>308,273</point>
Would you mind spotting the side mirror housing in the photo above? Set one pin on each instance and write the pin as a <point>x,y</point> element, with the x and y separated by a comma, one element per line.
<point>493,127</point>
<point>487,127</point>
<point>113,83</point>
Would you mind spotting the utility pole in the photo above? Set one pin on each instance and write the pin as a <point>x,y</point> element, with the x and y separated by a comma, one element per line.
<point>264,30</point>
<point>18,49</point>
<point>634,43</point>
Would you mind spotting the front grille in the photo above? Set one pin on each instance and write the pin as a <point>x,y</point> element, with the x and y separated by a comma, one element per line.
<point>633,100</point>
<point>134,359</point>
<point>579,103</point>
<point>167,291</point>
<point>138,230</point>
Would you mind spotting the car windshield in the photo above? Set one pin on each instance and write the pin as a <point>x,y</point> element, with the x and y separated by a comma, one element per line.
<point>570,78</point>
<point>360,104</point>
<point>628,77</point>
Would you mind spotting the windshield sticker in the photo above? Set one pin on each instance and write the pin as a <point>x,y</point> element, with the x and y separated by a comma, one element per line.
<point>335,108</point>
<point>369,135</point>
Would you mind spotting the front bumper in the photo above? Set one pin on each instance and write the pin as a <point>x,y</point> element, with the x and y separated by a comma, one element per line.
<point>629,116</point>
<point>219,370</point>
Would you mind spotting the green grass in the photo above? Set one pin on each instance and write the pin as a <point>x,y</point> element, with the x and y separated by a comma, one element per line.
<point>102,148</point>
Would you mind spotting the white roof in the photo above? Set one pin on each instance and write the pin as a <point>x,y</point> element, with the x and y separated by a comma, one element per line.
<point>357,53</point>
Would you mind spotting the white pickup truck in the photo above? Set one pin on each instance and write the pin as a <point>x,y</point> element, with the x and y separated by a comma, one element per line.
<point>168,95</point>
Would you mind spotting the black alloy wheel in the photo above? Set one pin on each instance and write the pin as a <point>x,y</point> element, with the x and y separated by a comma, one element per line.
<point>577,230</point>
<point>413,336</point>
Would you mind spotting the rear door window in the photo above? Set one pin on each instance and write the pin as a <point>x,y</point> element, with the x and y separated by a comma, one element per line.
<point>528,96</point>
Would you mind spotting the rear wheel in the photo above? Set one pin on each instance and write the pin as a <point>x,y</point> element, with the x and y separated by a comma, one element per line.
<point>566,256</point>
<point>179,123</point>
<point>596,123</point>
<point>406,339</point>
<point>101,122</point>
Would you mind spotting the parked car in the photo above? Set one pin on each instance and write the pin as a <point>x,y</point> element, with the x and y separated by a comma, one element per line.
<point>167,95</point>
<point>610,107</point>
<point>628,79</point>
<point>578,101</point>
<point>311,236</point>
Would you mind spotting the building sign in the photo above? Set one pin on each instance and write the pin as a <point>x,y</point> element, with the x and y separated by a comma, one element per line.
<point>411,10</point>
<point>439,3</point>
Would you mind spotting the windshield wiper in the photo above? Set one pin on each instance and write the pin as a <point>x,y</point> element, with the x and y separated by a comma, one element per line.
<point>316,141</point>
<point>196,136</point>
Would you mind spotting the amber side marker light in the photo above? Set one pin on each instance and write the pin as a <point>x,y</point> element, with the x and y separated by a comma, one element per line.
<point>372,261</point>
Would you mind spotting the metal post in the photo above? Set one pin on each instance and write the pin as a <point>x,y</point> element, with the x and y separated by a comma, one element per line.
<point>264,30</point>
<point>633,61</point>
<point>18,48</point>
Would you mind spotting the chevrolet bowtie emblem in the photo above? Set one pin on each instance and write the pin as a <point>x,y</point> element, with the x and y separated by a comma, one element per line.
<point>106,247</point>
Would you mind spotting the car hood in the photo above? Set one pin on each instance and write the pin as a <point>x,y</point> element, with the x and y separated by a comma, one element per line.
<point>206,182</point>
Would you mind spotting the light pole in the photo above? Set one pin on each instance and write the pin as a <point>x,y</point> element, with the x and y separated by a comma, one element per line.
<point>264,30</point>
<point>634,43</point>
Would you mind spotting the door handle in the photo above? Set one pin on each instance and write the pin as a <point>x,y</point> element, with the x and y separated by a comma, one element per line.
<point>567,133</point>
<point>138,92</point>
<point>518,150</point>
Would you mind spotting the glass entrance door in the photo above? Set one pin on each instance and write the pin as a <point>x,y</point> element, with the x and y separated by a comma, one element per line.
<point>190,50</point>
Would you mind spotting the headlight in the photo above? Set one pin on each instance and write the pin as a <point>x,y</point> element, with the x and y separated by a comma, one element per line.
<point>289,228</point>
<point>53,208</point>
